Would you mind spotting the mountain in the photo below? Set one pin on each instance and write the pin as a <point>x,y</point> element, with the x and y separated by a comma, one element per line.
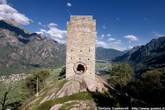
<point>146,57</point>
<point>107,54</point>
<point>21,51</point>
<point>125,57</point>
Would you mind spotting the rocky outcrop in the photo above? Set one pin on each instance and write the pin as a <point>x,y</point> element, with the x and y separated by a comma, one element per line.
<point>71,87</point>
<point>68,94</point>
<point>75,105</point>
<point>81,85</point>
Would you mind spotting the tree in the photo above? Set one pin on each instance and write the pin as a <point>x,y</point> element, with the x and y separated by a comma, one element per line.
<point>150,88</point>
<point>36,81</point>
<point>120,75</point>
<point>62,73</point>
<point>6,89</point>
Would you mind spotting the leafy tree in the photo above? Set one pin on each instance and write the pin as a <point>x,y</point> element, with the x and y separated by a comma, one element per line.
<point>120,75</point>
<point>62,73</point>
<point>36,80</point>
<point>150,88</point>
<point>5,91</point>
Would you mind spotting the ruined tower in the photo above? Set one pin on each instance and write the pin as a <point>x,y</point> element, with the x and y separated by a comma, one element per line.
<point>80,54</point>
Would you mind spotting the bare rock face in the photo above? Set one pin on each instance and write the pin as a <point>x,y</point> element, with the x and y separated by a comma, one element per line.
<point>63,89</point>
<point>75,105</point>
<point>71,87</point>
<point>101,86</point>
<point>56,107</point>
<point>21,51</point>
<point>80,85</point>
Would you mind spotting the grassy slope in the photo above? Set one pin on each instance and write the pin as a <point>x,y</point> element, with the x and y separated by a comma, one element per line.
<point>48,104</point>
<point>52,87</point>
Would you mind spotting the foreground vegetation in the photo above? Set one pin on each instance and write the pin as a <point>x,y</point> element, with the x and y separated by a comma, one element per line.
<point>78,96</point>
<point>126,90</point>
<point>146,91</point>
<point>14,93</point>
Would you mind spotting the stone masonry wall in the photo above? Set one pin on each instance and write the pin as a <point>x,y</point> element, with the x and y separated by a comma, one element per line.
<point>81,42</point>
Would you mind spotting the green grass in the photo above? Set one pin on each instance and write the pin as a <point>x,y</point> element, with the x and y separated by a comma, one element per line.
<point>16,93</point>
<point>48,104</point>
<point>68,106</point>
<point>102,65</point>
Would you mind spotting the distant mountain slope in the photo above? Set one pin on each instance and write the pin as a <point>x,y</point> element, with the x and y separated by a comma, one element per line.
<point>125,57</point>
<point>107,54</point>
<point>21,51</point>
<point>149,56</point>
<point>19,33</point>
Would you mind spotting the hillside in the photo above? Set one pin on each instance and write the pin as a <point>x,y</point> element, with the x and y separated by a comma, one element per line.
<point>64,94</point>
<point>146,57</point>
<point>107,54</point>
<point>21,51</point>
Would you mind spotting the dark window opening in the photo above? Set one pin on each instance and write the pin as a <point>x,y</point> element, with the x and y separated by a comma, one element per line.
<point>80,68</point>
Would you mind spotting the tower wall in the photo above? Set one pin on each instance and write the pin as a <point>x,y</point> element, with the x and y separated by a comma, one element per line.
<point>81,42</point>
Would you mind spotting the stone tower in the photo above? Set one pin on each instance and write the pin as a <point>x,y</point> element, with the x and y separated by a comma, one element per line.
<point>80,54</point>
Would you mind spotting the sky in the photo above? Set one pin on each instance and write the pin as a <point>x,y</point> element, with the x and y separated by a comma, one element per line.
<point>121,24</point>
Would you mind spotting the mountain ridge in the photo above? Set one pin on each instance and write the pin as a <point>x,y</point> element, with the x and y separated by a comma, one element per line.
<point>22,51</point>
<point>146,57</point>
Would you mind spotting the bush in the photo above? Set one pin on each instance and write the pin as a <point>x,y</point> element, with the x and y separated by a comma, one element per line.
<point>62,74</point>
<point>31,81</point>
<point>150,88</point>
<point>120,75</point>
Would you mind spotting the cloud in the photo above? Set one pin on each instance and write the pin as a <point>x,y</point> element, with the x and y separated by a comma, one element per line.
<point>11,15</point>
<point>111,39</point>
<point>109,35</point>
<point>131,38</point>
<point>102,35</point>
<point>116,44</point>
<point>68,4</point>
<point>106,41</point>
<point>3,1</point>
<point>54,33</point>
<point>156,34</point>
<point>53,25</point>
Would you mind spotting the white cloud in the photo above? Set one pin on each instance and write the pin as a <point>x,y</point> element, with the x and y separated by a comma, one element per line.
<point>3,1</point>
<point>68,4</point>
<point>102,44</point>
<point>131,38</point>
<point>156,34</point>
<point>116,44</point>
<point>52,25</point>
<point>106,41</point>
<point>54,33</point>
<point>102,35</point>
<point>109,35</point>
<point>11,15</point>
<point>130,46</point>
<point>111,39</point>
